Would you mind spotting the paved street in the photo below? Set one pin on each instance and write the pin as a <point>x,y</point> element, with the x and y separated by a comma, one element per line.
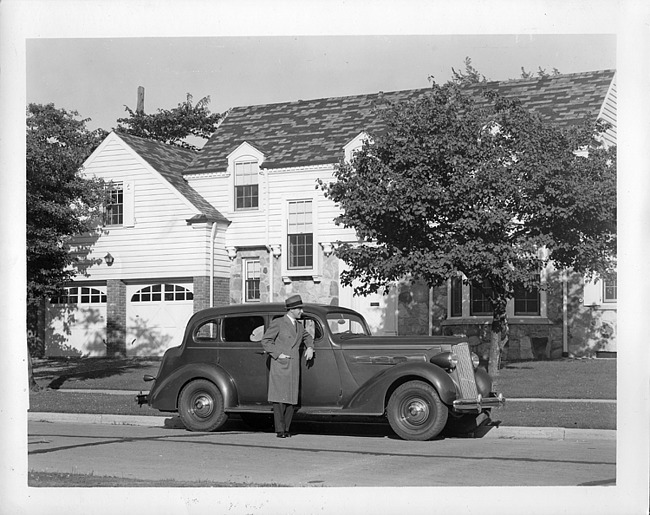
<point>320,455</point>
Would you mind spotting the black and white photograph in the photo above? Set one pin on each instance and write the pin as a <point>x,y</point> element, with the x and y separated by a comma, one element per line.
<point>324,257</point>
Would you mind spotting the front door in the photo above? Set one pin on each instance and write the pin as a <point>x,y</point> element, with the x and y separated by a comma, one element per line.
<point>320,382</point>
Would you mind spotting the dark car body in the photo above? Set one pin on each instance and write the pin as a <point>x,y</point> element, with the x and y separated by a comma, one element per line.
<point>421,383</point>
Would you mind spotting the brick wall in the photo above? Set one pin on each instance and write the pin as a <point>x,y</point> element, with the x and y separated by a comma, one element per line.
<point>115,318</point>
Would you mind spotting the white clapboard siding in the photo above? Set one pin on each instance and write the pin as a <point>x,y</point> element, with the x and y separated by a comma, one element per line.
<point>249,228</point>
<point>160,243</point>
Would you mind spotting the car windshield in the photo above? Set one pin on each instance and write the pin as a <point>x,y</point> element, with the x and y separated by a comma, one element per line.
<point>344,325</point>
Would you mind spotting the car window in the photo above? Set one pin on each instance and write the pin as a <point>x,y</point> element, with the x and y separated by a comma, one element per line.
<point>207,332</point>
<point>341,324</point>
<point>241,328</point>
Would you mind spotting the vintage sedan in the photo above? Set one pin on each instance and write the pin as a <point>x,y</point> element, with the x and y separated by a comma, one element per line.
<point>421,384</point>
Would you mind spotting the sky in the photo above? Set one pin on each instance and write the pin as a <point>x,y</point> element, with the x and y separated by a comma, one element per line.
<point>99,76</point>
<point>91,56</point>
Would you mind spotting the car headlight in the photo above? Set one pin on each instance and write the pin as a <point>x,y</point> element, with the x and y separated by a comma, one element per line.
<point>475,359</point>
<point>445,360</point>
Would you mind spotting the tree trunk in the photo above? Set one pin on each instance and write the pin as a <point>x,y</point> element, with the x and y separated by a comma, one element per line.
<point>498,336</point>
<point>33,385</point>
<point>494,357</point>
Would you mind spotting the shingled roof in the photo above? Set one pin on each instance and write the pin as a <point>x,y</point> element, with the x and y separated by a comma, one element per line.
<point>170,161</point>
<point>313,132</point>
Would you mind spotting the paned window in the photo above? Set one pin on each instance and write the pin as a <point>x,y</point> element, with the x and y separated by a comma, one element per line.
<point>610,293</point>
<point>82,295</point>
<point>114,212</point>
<point>246,185</point>
<point>159,292</point>
<point>252,272</point>
<point>300,235</point>
<point>480,304</point>
<point>527,302</point>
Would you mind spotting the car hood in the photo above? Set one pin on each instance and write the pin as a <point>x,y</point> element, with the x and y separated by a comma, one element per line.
<point>424,346</point>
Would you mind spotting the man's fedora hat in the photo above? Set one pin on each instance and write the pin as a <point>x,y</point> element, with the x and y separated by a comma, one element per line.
<point>293,302</point>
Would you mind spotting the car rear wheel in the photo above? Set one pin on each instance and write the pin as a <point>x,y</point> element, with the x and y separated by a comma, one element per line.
<point>415,411</point>
<point>200,406</point>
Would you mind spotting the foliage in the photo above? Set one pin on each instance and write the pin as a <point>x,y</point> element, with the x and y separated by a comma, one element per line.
<point>60,202</point>
<point>541,72</point>
<point>471,75</point>
<point>485,189</point>
<point>172,126</point>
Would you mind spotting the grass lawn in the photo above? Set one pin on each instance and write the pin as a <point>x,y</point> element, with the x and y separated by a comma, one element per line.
<point>563,379</point>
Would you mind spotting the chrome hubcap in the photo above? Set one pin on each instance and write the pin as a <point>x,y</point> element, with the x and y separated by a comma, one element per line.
<point>416,412</point>
<point>202,406</point>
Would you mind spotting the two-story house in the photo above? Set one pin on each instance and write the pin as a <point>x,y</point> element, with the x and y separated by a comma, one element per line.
<point>243,220</point>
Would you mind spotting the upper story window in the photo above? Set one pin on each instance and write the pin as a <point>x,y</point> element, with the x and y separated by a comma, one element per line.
<point>252,274</point>
<point>300,235</point>
<point>246,185</point>
<point>610,290</point>
<point>114,210</point>
<point>456,307</point>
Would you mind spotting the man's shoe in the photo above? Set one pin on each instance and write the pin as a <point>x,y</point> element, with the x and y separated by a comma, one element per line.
<point>287,434</point>
<point>282,435</point>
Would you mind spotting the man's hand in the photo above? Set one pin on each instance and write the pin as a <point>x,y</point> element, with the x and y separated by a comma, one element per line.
<point>281,356</point>
<point>309,353</point>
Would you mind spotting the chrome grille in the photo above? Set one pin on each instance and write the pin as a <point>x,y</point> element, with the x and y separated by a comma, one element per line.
<point>465,371</point>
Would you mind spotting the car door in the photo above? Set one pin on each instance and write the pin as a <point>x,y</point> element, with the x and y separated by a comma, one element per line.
<point>320,383</point>
<point>242,356</point>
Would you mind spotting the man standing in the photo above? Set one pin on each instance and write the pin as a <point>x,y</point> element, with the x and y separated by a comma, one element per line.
<point>282,341</point>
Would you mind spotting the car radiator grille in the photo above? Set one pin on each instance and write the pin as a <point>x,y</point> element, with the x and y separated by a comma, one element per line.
<point>465,371</point>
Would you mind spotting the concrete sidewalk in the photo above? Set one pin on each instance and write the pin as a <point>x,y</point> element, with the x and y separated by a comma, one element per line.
<point>173,422</point>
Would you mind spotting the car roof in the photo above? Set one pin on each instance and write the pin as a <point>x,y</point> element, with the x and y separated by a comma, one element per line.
<point>270,307</point>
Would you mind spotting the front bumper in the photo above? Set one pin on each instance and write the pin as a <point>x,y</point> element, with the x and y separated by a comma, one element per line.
<point>477,404</point>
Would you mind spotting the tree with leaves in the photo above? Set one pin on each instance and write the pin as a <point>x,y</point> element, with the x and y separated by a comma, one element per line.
<point>60,202</point>
<point>172,126</point>
<point>484,191</point>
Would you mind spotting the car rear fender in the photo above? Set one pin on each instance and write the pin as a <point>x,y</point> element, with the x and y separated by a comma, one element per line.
<point>164,396</point>
<point>374,394</point>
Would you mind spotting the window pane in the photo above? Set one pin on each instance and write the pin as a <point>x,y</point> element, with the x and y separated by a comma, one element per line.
<point>527,302</point>
<point>301,251</point>
<point>610,290</point>
<point>239,329</point>
<point>480,304</point>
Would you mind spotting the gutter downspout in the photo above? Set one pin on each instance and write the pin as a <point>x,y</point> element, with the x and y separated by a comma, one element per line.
<point>268,243</point>
<point>213,235</point>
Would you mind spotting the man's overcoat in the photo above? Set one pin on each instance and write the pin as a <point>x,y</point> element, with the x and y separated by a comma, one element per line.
<point>283,337</point>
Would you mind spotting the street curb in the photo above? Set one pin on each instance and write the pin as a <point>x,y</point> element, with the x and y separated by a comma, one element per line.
<point>173,422</point>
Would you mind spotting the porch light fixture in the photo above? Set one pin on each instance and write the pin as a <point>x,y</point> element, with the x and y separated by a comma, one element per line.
<point>328,248</point>
<point>109,259</point>
<point>276,250</point>
<point>232,253</point>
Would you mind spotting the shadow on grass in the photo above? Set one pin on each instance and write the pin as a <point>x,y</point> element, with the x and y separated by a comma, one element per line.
<point>58,372</point>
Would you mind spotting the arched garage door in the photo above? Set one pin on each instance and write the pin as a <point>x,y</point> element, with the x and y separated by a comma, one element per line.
<point>76,322</point>
<point>156,316</point>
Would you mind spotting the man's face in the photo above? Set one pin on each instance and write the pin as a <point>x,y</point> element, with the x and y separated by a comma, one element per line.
<point>296,313</point>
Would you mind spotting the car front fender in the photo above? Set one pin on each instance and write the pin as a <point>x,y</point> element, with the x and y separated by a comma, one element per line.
<point>371,397</point>
<point>164,396</point>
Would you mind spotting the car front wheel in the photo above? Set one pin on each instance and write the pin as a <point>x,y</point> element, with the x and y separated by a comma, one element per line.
<point>415,411</point>
<point>200,406</point>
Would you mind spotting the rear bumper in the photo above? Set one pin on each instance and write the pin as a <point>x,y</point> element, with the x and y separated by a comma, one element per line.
<point>477,404</point>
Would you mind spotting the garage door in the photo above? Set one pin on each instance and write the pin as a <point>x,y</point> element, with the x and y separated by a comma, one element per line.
<point>156,316</point>
<point>76,323</point>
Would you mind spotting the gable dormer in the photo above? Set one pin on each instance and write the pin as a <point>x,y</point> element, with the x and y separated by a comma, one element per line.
<point>353,145</point>
<point>244,171</point>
